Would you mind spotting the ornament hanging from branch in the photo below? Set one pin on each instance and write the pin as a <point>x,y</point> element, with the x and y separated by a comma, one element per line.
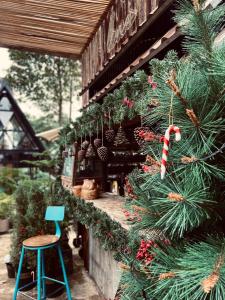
<point>103,151</point>
<point>110,133</point>
<point>81,153</point>
<point>120,138</point>
<point>170,129</point>
<point>90,150</point>
<point>97,141</point>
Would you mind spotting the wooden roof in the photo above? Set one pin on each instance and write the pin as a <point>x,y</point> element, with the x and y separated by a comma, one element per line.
<point>60,27</point>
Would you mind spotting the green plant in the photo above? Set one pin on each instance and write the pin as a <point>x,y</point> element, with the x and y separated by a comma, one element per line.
<point>30,203</point>
<point>6,205</point>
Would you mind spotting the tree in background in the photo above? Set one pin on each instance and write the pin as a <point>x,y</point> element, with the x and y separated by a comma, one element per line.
<point>177,244</point>
<point>46,80</point>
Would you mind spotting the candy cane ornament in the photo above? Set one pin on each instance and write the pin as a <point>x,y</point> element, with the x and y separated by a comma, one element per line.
<point>165,151</point>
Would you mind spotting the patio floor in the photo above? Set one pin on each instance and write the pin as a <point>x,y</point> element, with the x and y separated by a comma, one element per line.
<point>82,286</point>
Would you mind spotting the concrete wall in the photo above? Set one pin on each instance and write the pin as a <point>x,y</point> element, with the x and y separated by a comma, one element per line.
<point>103,268</point>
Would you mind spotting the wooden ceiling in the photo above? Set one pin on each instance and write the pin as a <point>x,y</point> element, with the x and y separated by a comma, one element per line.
<point>59,27</point>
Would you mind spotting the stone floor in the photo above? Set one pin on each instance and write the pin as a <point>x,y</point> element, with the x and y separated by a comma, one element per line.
<point>82,287</point>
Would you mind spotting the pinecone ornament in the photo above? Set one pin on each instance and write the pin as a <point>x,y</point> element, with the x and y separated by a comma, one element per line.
<point>97,143</point>
<point>120,138</point>
<point>81,154</point>
<point>103,153</point>
<point>90,151</point>
<point>110,135</point>
<point>85,145</point>
<point>137,134</point>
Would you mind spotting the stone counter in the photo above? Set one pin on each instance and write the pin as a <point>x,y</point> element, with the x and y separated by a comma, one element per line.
<point>113,206</point>
<point>102,266</point>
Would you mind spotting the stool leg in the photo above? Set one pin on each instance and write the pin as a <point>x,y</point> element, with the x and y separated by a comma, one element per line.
<point>64,273</point>
<point>43,275</point>
<point>18,274</point>
<point>39,274</point>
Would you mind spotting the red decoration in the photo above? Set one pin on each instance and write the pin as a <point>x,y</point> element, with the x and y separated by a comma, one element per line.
<point>152,83</point>
<point>143,251</point>
<point>129,189</point>
<point>129,103</point>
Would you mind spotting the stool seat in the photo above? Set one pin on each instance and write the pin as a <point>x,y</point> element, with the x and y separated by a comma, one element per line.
<point>40,240</point>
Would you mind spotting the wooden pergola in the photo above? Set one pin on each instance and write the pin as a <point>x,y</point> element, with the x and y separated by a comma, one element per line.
<point>59,27</point>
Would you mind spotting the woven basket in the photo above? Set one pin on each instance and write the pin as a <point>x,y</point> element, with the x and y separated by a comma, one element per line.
<point>89,194</point>
<point>77,190</point>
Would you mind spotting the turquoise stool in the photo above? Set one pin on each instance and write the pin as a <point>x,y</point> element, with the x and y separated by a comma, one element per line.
<point>40,243</point>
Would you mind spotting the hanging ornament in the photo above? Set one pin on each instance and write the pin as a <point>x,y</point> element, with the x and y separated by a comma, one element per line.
<point>81,155</point>
<point>102,151</point>
<point>138,134</point>
<point>90,151</point>
<point>85,144</point>
<point>110,135</point>
<point>120,138</point>
<point>170,129</point>
<point>97,143</point>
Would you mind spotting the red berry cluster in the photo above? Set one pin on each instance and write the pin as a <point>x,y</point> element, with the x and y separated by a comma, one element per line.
<point>129,103</point>
<point>129,189</point>
<point>143,251</point>
<point>132,216</point>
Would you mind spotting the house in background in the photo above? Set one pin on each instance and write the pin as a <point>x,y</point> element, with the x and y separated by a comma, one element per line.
<point>17,137</point>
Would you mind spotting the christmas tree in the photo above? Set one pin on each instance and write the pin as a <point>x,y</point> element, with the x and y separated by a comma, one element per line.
<point>177,244</point>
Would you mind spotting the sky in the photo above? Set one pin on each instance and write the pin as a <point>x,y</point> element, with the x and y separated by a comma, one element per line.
<point>30,108</point>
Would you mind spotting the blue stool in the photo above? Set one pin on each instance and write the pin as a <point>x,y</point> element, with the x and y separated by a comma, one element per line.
<point>40,243</point>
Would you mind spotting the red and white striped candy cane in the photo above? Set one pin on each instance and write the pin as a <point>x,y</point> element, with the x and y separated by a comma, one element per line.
<point>165,150</point>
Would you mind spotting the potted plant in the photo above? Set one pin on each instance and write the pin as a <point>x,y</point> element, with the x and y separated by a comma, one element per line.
<point>6,202</point>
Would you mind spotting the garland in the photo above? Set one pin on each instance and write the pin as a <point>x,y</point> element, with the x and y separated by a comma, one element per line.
<point>126,102</point>
<point>110,233</point>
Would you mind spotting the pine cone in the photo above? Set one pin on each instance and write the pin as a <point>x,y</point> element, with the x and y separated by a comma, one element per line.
<point>103,153</point>
<point>84,145</point>
<point>110,135</point>
<point>90,151</point>
<point>120,138</point>
<point>97,143</point>
<point>81,154</point>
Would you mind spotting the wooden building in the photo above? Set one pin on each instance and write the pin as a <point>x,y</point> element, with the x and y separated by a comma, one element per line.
<point>112,39</point>
<point>17,138</point>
